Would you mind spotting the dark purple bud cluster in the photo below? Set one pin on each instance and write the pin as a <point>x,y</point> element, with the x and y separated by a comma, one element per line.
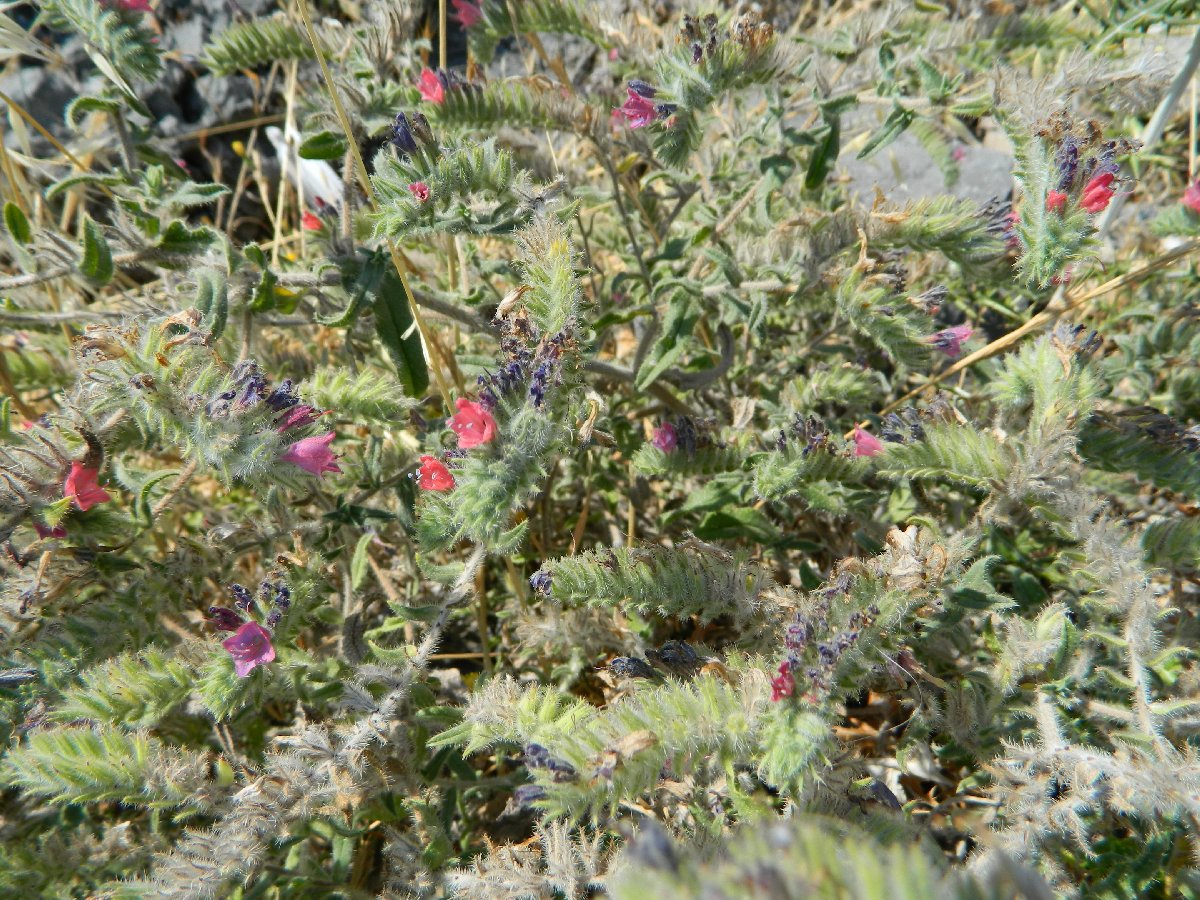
<point>242,598</point>
<point>274,595</point>
<point>1067,163</point>
<point>631,667</point>
<point>676,658</point>
<point>1000,221</point>
<point>411,133</point>
<point>537,370</point>
<point>642,89</point>
<point>541,582</point>
<point>903,427</point>
<point>538,757</point>
<point>1077,341</point>
<point>930,301</point>
<point>250,387</point>
<point>526,795</point>
<point>700,35</point>
<point>1103,162</point>
<point>808,432</point>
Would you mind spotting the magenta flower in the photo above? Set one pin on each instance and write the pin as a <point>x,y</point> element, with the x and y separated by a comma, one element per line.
<point>45,532</point>
<point>313,454</point>
<point>297,417</point>
<point>434,476</point>
<point>665,438</point>
<point>133,6</point>
<point>468,13</point>
<point>250,646</point>
<point>1098,192</point>
<point>1191,197</point>
<point>81,484</point>
<point>1055,201</point>
<point>638,110</point>
<point>431,86</point>
<point>420,190</point>
<point>865,443</point>
<point>950,340</point>
<point>472,423</point>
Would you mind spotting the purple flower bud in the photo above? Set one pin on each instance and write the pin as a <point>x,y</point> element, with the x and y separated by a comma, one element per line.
<point>402,135</point>
<point>642,89</point>
<point>241,596</point>
<point>541,582</point>
<point>224,619</point>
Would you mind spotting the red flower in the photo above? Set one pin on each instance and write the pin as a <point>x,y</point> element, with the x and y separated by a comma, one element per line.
<point>1097,193</point>
<point>638,111</point>
<point>865,443</point>
<point>313,454</point>
<point>44,532</point>
<point>133,6</point>
<point>468,13</point>
<point>309,222</point>
<point>665,438</point>
<point>784,684</point>
<point>250,646</point>
<point>420,190</point>
<point>1055,201</point>
<point>472,423</point>
<point>81,484</point>
<point>431,86</point>
<point>434,476</point>
<point>1191,197</point>
<point>950,340</point>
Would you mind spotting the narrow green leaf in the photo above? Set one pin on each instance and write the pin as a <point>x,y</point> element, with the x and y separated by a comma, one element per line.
<point>17,224</point>
<point>326,145</point>
<point>825,154</point>
<point>893,126</point>
<point>360,562</point>
<point>395,327</point>
<point>97,264</point>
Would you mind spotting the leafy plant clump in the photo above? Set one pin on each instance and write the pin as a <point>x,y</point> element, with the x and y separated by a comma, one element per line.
<point>562,449</point>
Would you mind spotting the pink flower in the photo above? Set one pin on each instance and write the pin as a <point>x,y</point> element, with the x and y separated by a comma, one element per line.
<point>1055,201</point>
<point>865,443</point>
<point>472,423</point>
<point>665,438</point>
<point>613,54</point>
<point>950,341</point>
<point>638,111</point>
<point>434,476</point>
<point>81,484</point>
<point>1097,193</point>
<point>1191,197</point>
<point>959,153</point>
<point>250,646</point>
<point>313,454</point>
<point>420,190</point>
<point>431,86</point>
<point>309,222</point>
<point>297,417</point>
<point>468,13</point>
<point>44,532</point>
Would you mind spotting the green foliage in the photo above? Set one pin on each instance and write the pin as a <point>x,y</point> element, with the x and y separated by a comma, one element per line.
<point>86,765</point>
<point>573,17</point>
<point>132,690</point>
<point>120,48</point>
<point>249,45</point>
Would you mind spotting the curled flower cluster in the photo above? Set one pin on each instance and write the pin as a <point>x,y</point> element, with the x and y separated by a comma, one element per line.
<point>411,134</point>
<point>251,390</point>
<point>686,434</point>
<point>1090,176</point>
<point>250,645</point>
<point>638,109</point>
<point>808,432</point>
<point>434,83</point>
<point>801,640</point>
<point>700,35</point>
<point>534,370</point>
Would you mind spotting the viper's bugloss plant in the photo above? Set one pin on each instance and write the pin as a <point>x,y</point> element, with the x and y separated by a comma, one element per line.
<point>612,451</point>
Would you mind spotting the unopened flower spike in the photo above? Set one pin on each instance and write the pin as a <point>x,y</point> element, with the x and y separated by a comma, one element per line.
<point>865,443</point>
